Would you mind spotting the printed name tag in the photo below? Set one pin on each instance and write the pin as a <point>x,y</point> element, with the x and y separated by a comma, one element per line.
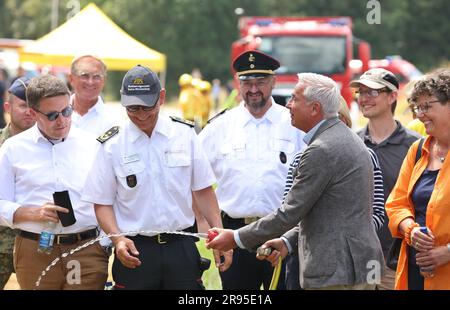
<point>130,158</point>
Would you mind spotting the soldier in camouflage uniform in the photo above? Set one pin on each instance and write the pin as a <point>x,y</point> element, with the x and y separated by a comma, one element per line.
<point>21,119</point>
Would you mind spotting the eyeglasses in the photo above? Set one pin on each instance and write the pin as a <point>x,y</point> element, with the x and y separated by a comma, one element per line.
<point>136,108</point>
<point>423,107</point>
<point>373,93</point>
<point>260,83</point>
<point>85,76</point>
<point>51,116</point>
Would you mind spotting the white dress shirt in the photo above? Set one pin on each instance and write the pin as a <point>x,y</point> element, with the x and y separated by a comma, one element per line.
<point>149,180</point>
<point>97,120</point>
<point>250,158</point>
<point>32,169</point>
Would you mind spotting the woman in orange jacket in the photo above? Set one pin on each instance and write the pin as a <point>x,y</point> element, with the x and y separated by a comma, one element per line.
<point>421,196</point>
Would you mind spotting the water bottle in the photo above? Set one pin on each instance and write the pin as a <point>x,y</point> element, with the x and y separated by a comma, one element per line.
<point>109,286</point>
<point>424,271</point>
<point>46,238</point>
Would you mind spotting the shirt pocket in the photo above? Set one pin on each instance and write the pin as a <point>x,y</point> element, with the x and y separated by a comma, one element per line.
<point>282,150</point>
<point>177,169</point>
<point>282,145</point>
<point>235,150</point>
<point>130,178</point>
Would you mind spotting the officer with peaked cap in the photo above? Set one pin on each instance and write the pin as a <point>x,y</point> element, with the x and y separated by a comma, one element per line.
<point>20,119</point>
<point>250,148</point>
<point>143,180</point>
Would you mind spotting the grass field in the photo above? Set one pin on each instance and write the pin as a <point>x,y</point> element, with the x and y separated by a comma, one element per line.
<point>211,278</point>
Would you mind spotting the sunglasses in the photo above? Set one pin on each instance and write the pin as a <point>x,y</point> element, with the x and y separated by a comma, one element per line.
<point>51,116</point>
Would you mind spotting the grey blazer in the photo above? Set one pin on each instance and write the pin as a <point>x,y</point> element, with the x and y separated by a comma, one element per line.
<point>328,211</point>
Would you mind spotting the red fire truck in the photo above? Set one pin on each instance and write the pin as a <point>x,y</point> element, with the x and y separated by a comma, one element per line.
<point>303,44</point>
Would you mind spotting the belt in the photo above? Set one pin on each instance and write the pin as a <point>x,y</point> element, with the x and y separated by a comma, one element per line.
<point>242,221</point>
<point>63,238</point>
<point>164,238</point>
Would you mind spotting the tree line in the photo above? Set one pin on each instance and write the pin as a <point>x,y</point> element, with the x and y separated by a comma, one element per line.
<point>199,33</point>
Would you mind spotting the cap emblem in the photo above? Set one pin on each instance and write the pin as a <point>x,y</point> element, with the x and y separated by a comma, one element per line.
<point>138,81</point>
<point>251,58</point>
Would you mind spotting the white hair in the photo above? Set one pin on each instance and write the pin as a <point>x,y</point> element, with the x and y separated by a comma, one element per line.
<point>322,89</point>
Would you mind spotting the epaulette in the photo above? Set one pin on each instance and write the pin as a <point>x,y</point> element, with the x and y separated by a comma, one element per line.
<point>216,116</point>
<point>182,121</point>
<point>107,135</point>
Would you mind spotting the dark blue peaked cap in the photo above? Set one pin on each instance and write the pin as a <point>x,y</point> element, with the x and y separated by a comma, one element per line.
<point>19,87</point>
<point>254,64</point>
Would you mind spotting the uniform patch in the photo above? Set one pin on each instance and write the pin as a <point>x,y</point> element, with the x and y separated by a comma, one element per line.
<point>182,121</point>
<point>131,180</point>
<point>109,134</point>
<point>216,116</point>
<point>283,157</point>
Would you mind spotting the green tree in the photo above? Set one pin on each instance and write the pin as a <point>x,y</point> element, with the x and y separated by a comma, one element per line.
<point>199,33</point>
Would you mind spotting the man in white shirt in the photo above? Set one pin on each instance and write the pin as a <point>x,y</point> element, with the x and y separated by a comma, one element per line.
<point>50,157</point>
<point>87,78</point>
<point>143,181</point>
<point>250,148</point>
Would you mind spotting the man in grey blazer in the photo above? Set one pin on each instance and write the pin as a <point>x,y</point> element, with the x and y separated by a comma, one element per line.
<point>327,212</point>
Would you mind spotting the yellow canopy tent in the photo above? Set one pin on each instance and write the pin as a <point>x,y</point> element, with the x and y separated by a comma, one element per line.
<point>91,32</point>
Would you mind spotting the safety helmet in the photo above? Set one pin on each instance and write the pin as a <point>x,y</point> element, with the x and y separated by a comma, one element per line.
<point>204,86</point>
<point>196,82</point>
<point>185,79</point>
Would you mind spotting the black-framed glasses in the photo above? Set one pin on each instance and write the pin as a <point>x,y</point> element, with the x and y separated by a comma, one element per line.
<point>422,107</point>
<point>136,108</point>
<point>373,93</point>
<point>51,116</point>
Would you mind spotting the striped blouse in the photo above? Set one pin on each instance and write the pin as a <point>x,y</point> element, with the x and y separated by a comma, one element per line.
<point>378,195</point>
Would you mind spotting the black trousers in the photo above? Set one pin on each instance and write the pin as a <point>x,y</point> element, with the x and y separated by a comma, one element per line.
<point>246,271</point>
<point>170,262</point>
<point>292,271</point>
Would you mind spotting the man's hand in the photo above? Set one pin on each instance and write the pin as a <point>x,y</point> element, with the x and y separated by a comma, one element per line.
<point>126,252</point>
<point>279,250</point>
<point>227,259</point>
<point>45,213</point>
<point>224,241</point>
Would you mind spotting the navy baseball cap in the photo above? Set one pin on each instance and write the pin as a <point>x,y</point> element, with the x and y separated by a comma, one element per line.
<point>254,64</point>
<point>19,87</point>
<point>140,86</point>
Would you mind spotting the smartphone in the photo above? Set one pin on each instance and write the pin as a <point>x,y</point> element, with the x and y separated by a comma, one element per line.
<point>62,199</point>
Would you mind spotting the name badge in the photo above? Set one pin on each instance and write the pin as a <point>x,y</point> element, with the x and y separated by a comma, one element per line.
<point>130,159</point>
